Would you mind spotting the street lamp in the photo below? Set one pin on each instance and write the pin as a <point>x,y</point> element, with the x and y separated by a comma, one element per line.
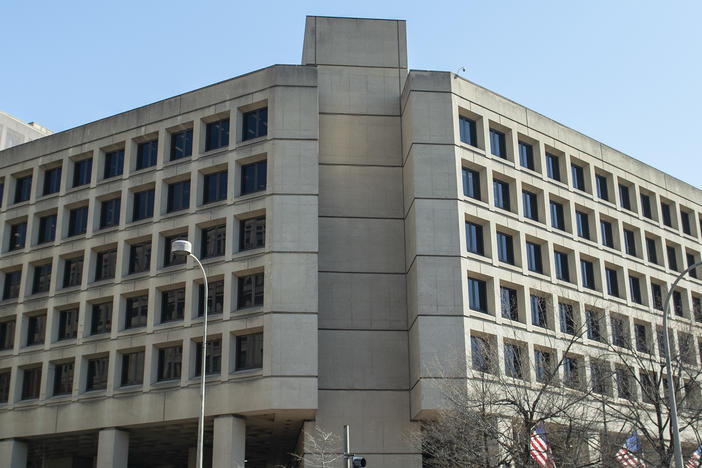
<point>671,387</point>
<point>185,248</point>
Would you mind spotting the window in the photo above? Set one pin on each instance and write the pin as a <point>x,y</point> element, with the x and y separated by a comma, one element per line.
<point>578,174</point>
<point>656,296</point>
<point>690,261</point>
<point>105,265</point>
<point>101,318</point>
<point>217,134</point>
<point>181,144</point>
<point>697,308</point>
<point>468,131</point>
<point>474,238</point>
<point>542,365</point>
<point>42,278</point>
<point>602,192</point>
<point>78,221</point>
<point>538,311</point>
<point>215,298</point>
<point>253,177</point>
<point>648,390</point>
<point>97,374</point>
<point>498,145</point>
<point>170,259</point>
<point>72,272</point>
<point>513,361</point>
<point>567,318</point>
<point>140,257</point>
<point>132,368</point>
<point>533,252</point>
<point>109,212</point>
<point>646,206</point>
<point>172,305</point>
<point>598,373</point>
<point>169,363</point>
<point>651,250</point>
<point>18,235</point>
<point>665,214</point>
<point>561,263</point>
<point>68,324</point>
<point>509,304</point>
<point>583,224</point>
<point>31,383</point>
<point>5,385</point>
<point>505,252</point>
<point>23,188</point>
<point>571,376</point>
<point>52,180</point>
<point>213,241</point>
<point>2,189</point>
<point>249,351</point>
<point>477,299</point>
<point>114,163</point>
<point>178,196</point>
<point>531,208</point>
<point>557,218</point>
<point>553,170</point>
<point>619,332</point>
<point>629,242</point>
<point>214,187</point>
<point>143,205</point>
<point>146,154</point>
<point>623,384</point>
<point>82,171</point>
<point>256,124</point>
<point>213,358</point>
<point>480,354</point>
<point>12,284</point>
<point>677,303</point>
<point>592,319</point>
<point>641,336</point>
<point>501,190</point>
<point>136,311</point>
<point>252,233</point>
<point>635,289</point>
<point>685,222</point>
<point>250,292</point>
<point>607,235</point>
<point>7,334</point>
<point>672,260</point>
<point>63,378</point>
<point>47,229</point>
<point>588,274</point>
<point>612,282</point>
<point>624,201</point>
<point>36,329</point>
<point>471,183</point>
<point>526,155</point>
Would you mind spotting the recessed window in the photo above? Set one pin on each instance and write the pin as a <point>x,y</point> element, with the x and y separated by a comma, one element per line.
<point>213,358</point>
<point>169,363</point>
<point>501,191</point>
<point>553,168</point>
<point>557,216</point>
<point>526,155</point>
<point>114,163</point>
<point>619,332</point>
<point>592,320</point>
<point>68,324</point>
<point>630,242</point>
<point>542,365</point>
<point>182,144</point>
<point>109,212</point>
<point>136,311</point>
<point>250,291</point>
<point>509,303</point>
<point>23,188</point>
<point>474,238</point>
<point>7,334</point>
<point>42,278</point>
<point>481,354</point>
<point>36,329</point>
<point>18,235</point>
<point>602,191</point>
<point>672,258</point>
<point>52,180</point>
<point>47,229</point>
<point>651,250</point>
<point>101,318</point>
<point>169,258</point>
<point>215,298</point>
<point>63,378</point>
<point>677,303</point>
<point>498,145</point>
<point>513,361</point>
<point>538,311</point>
<point>2,190</point>
<point>505,249</point>
<point>255,124</point>
<point>635,289</point>
<point>105,265</point>
<point>646,206</point>
<point>213,241</point>
<point>624,200</point>
<point>31,383</point>
<point>578,174</point>
<point>612,282</point>
<point>567,318</point>
<point>656,296</point>
<point>78,221</point>
<point>468,130</point>
<point>146,154</point>
<point>587,271</point>
<point>624,389</point>
<point>252,233</point>
<point>583,224</point>
<point>97,374</point>
<point>690,261</point>
<point>607,235</point>
<point>477,295</point>
<point>82,171</point>
<point>599,374</point>
<point>140,257</point>
<point>5,376</point>
<point>471,183</point>
<point>132,368</point>
<point>249,351</point>
<point>73,272</point>
<point>533,252</point>
<point>214,187</point>
<point>254,177</point>
<point>178,196</point>
<point>12,284</point>
<point>143,205</point>
<point>530,205</point>
<point>561,265</point>
<point>172,305</point>
<point>685,222</point>
<point>217,134</point>
<point>665,214</point>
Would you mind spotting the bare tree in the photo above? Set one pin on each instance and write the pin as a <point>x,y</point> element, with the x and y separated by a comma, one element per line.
<point>321,449</point>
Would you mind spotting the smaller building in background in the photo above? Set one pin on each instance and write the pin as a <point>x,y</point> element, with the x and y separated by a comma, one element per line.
<point>14,132</point>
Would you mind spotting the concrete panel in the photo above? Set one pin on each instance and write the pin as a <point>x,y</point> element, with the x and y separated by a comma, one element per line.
<point>292,168</point>
<point>293,112</point>
<point>437,348</point>
<point>229,442</point>
<point>292,224</point>
<point>430,172</point>
<point>361,245</point>
<point>354,90</point>
<point>436,229</point>
<point>438,286</point>
<point>374,192</point>
<point>359,359</point>
<point>354,300</point>
<point>294,283</point>
<point>430,119</point>
<point>113,449</point>
<point>359,139</point>
<point>290,344</point>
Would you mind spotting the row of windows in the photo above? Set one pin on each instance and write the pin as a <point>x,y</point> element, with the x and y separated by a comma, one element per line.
<point>214,188</point>
<point>248,355</point>
<point>254,124</point>
<point>580,176</point>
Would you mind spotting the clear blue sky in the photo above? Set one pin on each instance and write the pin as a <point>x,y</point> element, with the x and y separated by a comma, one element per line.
<point>625,72</point>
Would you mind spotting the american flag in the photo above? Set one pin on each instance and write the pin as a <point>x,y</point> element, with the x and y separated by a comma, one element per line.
<point>627,455</point>
<point>694,461</point>
<point>540,450</point>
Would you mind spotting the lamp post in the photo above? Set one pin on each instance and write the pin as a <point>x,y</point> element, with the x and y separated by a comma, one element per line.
<point>185,248</point>
<point>671,386</point>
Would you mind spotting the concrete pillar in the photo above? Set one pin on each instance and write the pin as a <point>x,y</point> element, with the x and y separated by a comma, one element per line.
<point>113,449</point>
<point>13,454</point>
<point>229,442</point>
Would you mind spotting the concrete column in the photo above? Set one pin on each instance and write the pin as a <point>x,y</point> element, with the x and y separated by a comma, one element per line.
<point>113,449</point>
<point>229,442</point>
<point>13,454</point>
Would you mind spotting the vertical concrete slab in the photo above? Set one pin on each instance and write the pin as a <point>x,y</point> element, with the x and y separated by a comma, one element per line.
<point>229,447</point>
<point>13,454</point>
<point>113,449</point>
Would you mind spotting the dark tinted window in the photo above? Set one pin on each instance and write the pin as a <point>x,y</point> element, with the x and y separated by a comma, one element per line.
<point>553,169</point>
<point>73,272</point>
<point>82,171</point>
<point>97,374</point>
<point>602,187</point>
<point>140,257</point>
<point>12,284</point>
<point>468,130</point>
<point>612,282</point>
<point>561,264</point>
<point>250,291</point>
<point>133,368</point>
<point>530,206</point>
<point>114,163</point>
<point>255,124</point>
<point>624,200</point>
<point>143,205</point>
<point>18,235</point>
<point>567,318</point>
<point>471,183</point>
<point>136,311</point>
<point>635,289</point>
<point>588,274</point>
<point>509,303</point>
<point>68,324</point>
<point>217,134</point>
<point>253,177</point>
<point>646,206</point>
<point>498,145</point>
<point>578,174</point>
<point>23,188</point>
<point>252,233</point>
<point>36,329</point>
<point>477,295</point>
<point>181,144</point>
<point>63,378</point>
<point>101,318</point>
<point>533,252</point>
<point>557,217</point>
<point>105,264</point>
<point>629,242</point>
<point>607,235</point>
<point>583,224</point>
<point>178,196</point>
<point>249,351</point>
<point>526,155</point>
<point>665,214</point>
<point>501,191</point>
<point>78,221</point>
<point>215,298</point>
<point>505,251</point>
<point>213,358</point>
<point>109,212</point>
<point>52,180</point>
<point>169,363</point>
<point>31,383</point>
<point>7,334</point>
<point>47,229</point>
<point>172,305</point>
<point>213,241</point>
<point>474,238</point>
<point>146,154</point>
<point>214,187</point>
<point>42,278</point>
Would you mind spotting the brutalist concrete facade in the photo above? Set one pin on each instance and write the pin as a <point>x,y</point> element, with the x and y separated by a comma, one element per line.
<point>15,132</point>
<point>356,295</point>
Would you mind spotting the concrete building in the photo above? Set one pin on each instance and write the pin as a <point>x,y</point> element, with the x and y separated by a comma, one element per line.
<point>336,206</point>
<point>15,132</point>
